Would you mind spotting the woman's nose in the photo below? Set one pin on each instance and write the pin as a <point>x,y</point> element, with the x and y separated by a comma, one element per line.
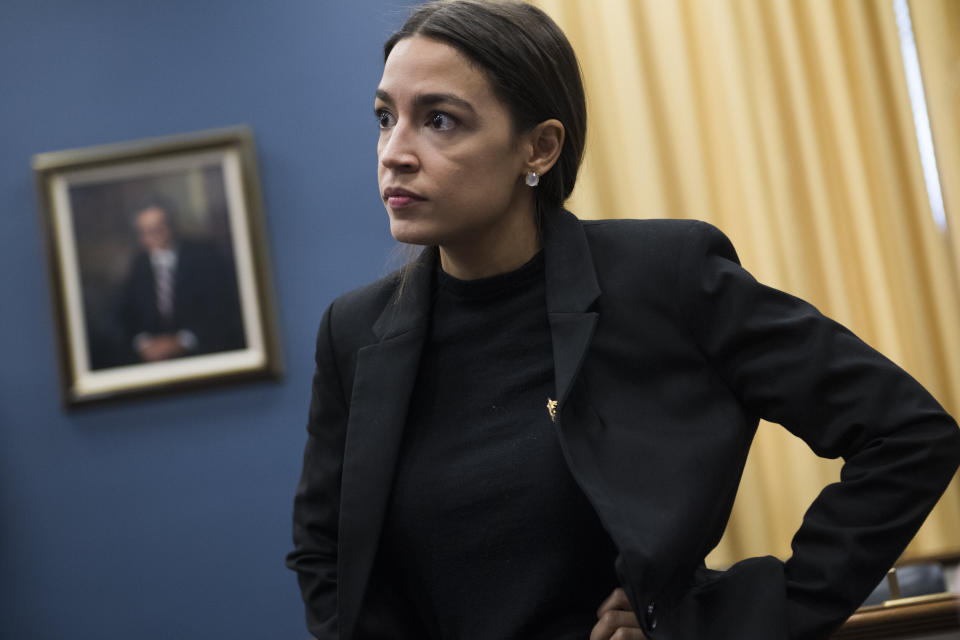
<point>397,148</point>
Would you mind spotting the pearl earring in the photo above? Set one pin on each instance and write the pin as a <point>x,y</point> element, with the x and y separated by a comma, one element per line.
<point>533,179</point>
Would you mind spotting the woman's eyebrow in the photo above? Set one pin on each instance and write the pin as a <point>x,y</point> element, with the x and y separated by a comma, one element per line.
<point>429,99</point>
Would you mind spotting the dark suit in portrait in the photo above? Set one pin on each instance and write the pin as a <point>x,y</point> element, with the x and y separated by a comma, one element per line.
<point>205,309</point>
<point>180,296</point>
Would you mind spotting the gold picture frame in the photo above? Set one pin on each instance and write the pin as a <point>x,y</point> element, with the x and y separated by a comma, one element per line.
<point>159,267</point>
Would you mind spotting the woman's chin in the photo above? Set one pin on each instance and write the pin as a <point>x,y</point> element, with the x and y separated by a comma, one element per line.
<point>411,233</point>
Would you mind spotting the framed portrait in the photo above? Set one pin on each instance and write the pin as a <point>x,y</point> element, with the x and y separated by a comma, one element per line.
<point>158,261</point>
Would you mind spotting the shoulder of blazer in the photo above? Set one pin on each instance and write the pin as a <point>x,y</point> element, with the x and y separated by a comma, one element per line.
<point>655,237</point>
<point>654,249</point>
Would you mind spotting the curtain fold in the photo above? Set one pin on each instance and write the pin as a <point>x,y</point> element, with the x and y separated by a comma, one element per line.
<point>788,125</point>
<point>936,26</point>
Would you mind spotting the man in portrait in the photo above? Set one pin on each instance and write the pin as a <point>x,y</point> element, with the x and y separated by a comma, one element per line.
<point>180,295</point>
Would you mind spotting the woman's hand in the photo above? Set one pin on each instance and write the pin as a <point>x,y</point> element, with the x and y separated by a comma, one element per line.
<point>616,620</point>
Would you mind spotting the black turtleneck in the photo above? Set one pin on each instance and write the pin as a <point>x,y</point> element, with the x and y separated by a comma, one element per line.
<point>487,534</point>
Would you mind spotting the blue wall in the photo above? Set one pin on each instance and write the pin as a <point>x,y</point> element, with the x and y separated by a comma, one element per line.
<point>170,517</point>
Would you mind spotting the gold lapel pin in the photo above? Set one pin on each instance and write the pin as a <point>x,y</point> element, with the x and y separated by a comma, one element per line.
<point>552,409</point>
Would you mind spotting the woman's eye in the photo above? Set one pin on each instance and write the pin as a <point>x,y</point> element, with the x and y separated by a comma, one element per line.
<point>384,118</point>
<point>441,121</point>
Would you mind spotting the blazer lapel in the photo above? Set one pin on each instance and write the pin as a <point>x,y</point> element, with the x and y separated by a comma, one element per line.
<point>384,379</point>
<point>572,287</point>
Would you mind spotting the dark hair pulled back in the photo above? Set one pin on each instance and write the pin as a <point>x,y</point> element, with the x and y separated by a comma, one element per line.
<point>530,64</point>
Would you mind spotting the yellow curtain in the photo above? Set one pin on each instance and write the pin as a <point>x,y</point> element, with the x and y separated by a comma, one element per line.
<point>788,125</point>
<point>936,25</point>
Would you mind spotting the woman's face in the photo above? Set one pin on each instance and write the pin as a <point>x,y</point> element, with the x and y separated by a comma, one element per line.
<point>450,165</point>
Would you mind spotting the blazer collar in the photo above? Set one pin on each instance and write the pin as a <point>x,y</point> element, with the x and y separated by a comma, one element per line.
<point>571,279</point>
<point>572,288</point>
<point>410,308</point>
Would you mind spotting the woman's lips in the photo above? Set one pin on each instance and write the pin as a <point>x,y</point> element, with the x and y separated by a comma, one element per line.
<point>398,202</point>
<point>400,198</point>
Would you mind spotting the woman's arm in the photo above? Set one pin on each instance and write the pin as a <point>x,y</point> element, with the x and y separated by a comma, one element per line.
<point>317,502</point>
<point>791,365</point>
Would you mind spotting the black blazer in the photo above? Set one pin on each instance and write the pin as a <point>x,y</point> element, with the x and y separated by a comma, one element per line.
<point>666,354</point>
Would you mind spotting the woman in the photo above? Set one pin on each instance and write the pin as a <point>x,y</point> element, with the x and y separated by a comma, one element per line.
<point>536,430</point>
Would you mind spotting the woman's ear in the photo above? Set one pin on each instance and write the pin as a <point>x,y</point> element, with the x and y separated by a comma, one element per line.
<point>546,143</point>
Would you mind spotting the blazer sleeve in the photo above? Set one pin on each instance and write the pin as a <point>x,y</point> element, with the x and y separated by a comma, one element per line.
<point>317,501</point>
<point>789,364</point>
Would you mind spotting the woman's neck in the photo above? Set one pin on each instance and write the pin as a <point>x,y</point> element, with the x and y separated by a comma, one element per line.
<point>497,252</point>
